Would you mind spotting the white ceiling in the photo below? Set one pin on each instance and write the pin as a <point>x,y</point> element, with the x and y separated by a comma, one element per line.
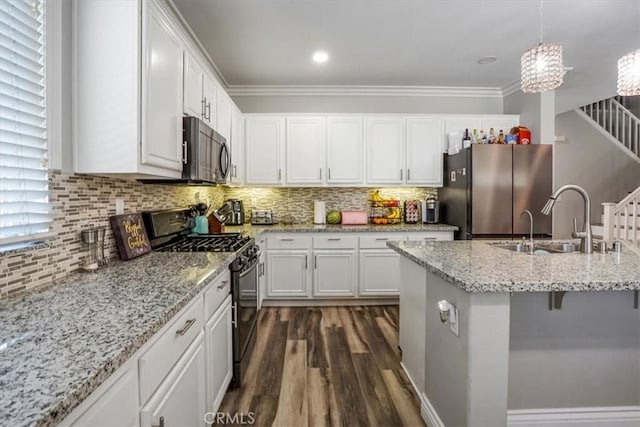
<point>410,42</point>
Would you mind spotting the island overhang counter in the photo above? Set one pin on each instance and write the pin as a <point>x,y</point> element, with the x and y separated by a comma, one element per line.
<point>517,358</point>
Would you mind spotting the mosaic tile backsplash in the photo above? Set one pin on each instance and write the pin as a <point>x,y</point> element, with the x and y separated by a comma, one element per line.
<point>295,205</point>
<point>83,201</point>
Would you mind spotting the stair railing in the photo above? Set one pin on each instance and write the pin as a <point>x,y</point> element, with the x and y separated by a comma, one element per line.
<point>617,120</point>
<point>621,220</point>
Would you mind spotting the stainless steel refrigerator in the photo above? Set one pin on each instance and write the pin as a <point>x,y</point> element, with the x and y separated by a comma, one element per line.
<point>486,187</point>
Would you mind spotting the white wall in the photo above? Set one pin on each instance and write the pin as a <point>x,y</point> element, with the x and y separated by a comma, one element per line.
<point>368,104</point>
<point>589,159</point>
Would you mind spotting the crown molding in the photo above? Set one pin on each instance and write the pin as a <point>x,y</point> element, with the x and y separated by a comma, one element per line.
<point>511,88</point>
<point>321,90</point>
<point>194,39</point>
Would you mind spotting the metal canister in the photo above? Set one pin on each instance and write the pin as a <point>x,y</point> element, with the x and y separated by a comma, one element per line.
<point>617,246</point>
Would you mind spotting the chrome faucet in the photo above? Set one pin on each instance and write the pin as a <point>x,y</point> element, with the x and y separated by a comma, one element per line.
<point>527,211</point>
<point>585,236</point>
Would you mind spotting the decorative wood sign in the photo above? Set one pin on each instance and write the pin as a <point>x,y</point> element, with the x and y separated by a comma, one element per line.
<point>131,236</point>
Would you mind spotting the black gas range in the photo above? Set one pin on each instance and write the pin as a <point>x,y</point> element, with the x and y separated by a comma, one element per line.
<point>170,231</point>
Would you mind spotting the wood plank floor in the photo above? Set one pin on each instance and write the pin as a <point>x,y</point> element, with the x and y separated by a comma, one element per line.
<point>326,366</point>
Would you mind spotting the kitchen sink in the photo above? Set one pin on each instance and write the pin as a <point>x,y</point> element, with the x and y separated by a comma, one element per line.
<point>542,248</point>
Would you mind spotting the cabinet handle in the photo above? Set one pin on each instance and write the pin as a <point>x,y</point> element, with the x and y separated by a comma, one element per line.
<point>382,238</point>
<point>400,174</point>
<point>408,174</point>
<point>320,173</point>
<point>160,424</point>
<point>204,108</point>
<point>328,173</point>
<point>305,261</point>
<point>184,152</point>
<point>235,171</point>
<point>315,262</point>
<point>186,327</point>
<point>223,284</point>
<point>234,317</point>
<point>286,240</point>
<point>208,108</point>
<point>279,174</point>
<point>430,238</point>
<point>334,239</point>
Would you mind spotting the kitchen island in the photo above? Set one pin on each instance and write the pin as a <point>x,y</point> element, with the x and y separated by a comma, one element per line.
<point>62,341</point>
<point>519,353</point>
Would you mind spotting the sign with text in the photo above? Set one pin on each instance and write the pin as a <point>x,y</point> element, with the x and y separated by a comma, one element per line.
<point>131,236</point>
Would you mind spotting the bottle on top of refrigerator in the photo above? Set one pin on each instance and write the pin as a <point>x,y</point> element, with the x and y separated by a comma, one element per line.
<point>501,137</point>
<point>474,137</point>
<point>492,136</point>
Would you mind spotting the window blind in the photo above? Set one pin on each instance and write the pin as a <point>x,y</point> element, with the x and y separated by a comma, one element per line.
<point>25,211</point>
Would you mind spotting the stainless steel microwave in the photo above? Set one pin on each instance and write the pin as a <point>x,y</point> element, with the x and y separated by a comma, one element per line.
<point>206,157</point>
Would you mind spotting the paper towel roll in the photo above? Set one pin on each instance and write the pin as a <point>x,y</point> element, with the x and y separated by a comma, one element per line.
<point>319,213</point>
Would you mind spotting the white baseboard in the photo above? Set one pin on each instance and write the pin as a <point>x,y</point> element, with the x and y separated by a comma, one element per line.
<point>427,411</point>
<point>607,416</point>
<point>327,302</point>
<point>429,414</point>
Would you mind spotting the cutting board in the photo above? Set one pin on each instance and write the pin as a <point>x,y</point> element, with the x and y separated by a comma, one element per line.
<point>130,234</point>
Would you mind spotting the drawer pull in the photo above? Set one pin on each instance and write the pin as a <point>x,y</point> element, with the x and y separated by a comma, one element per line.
<point>160,424</point>
<point>334,239</point>
<point>382,239</point>
<point>430,238</point>
<point>186,327</point>
<point>223,284</point>
<point>286,240</point>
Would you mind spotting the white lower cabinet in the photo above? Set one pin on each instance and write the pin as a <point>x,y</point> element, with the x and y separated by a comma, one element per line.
<point>180,399</point>
<point>288,273</point>
<point>219,346</point>
<point>336,265</point>
<point>335,273</point>
<point>379,272</point>
<point>118,403</point>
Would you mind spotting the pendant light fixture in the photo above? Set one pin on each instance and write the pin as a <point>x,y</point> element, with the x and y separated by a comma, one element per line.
<point>541,66</point>
<point>629,74</point>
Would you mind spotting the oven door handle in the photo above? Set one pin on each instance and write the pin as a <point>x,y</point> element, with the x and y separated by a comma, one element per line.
<point>249,270</point>
<point>234,315</point>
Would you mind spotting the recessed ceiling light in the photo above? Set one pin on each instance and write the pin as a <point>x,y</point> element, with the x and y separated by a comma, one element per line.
<point>320,56</point>
<point>487,60</point>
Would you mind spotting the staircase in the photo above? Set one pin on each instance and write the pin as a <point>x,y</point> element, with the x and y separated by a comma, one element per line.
<point>617,121</point>
<point>620,221</point>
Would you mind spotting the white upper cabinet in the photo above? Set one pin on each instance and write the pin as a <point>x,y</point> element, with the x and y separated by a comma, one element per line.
<point>424,147</point>
<point>236,176</point>
<point>193,79</point>
<point>223,114</point>
<point>264,146</point>
<point>128,105</point>
<point>209,100</point>
<point>161,92</point>
<point>305,150</point>
<point>385,150</point>
<point>345,150</point>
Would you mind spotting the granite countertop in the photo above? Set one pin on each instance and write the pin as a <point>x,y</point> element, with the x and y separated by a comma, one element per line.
<point>60,342</point>
<point>256,230</point>
<point>480,266</point>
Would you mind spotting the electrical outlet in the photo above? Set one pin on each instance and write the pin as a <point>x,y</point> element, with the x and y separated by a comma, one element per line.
<point>254,202</point>
<point>454,320</point>
<point>197,196</point>
<point>119,206</point>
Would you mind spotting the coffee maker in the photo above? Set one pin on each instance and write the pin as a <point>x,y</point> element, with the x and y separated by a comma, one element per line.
<point>232,211</point>
<point>431,210</point>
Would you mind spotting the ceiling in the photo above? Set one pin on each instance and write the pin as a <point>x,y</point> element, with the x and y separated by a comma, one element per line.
<point>410,42</point>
